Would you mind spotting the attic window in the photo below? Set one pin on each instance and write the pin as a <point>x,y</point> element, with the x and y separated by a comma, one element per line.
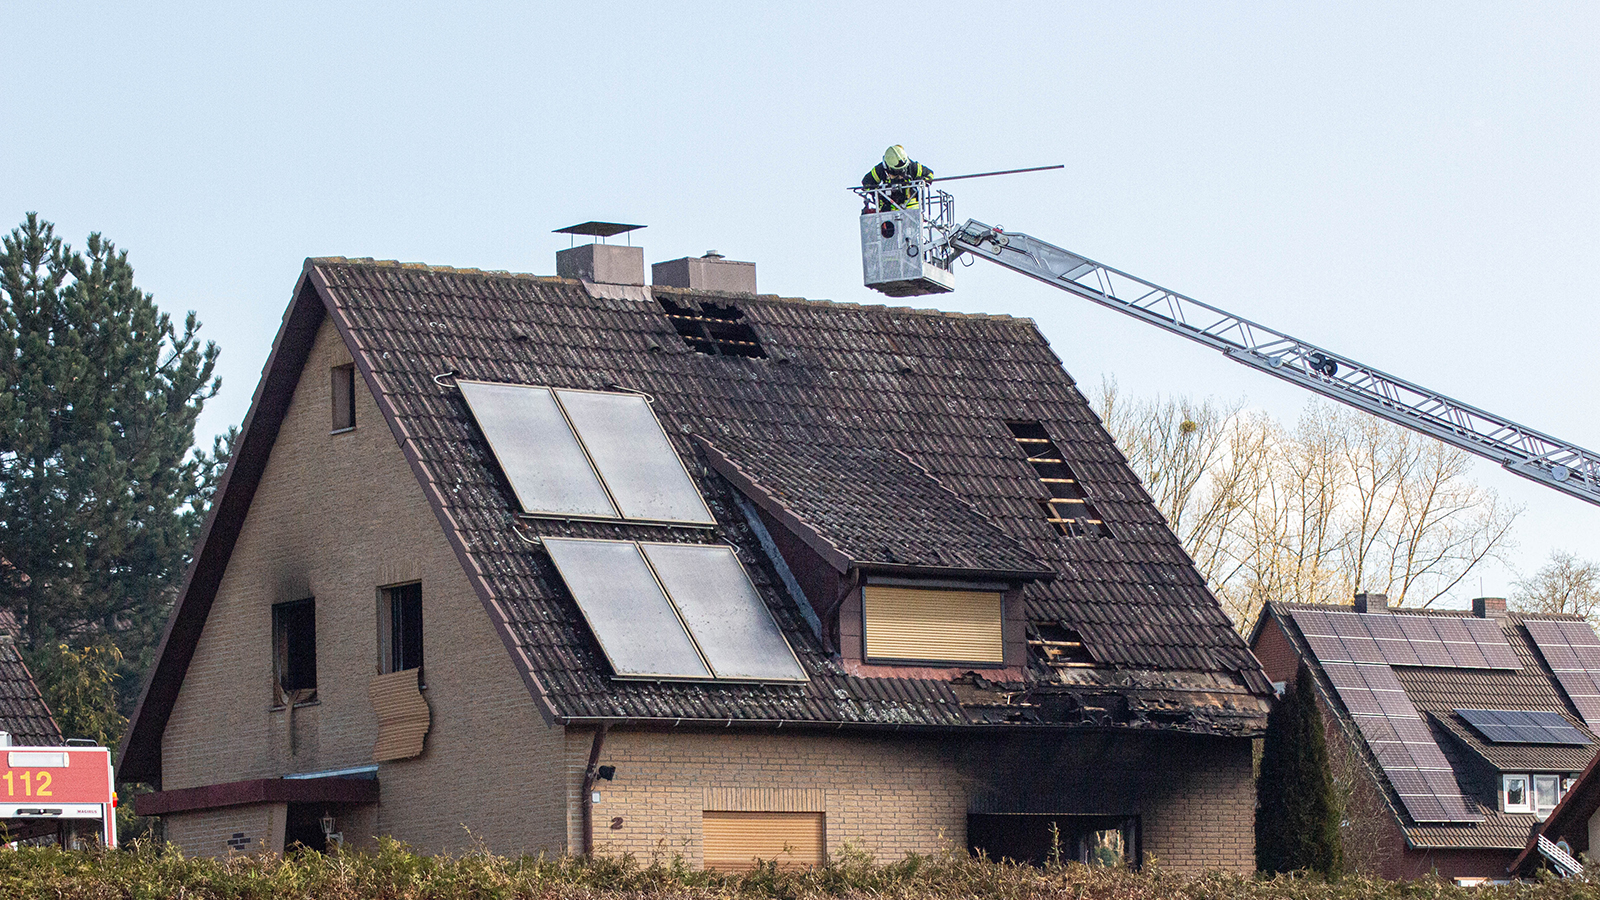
<point>714,330</point>
<point>344,397</point>
<point>1060,646</point>
<point>1068,509</point>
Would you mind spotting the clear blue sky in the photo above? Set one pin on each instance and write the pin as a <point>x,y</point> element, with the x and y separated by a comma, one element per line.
<point>1413,185</point>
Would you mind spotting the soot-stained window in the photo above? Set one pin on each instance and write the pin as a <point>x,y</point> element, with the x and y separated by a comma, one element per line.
<point>1068,508</point>
<point>714,330</point>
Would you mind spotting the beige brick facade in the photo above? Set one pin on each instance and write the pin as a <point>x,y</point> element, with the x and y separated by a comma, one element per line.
<point>898,794</point>
<point>339,516</point>
<point>336,517</point>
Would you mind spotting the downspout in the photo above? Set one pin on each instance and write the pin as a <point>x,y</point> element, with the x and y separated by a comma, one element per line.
<point>588,788</point>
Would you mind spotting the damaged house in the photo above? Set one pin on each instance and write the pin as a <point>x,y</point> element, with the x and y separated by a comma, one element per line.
<point>576,563</point>
<point>1463,730</point>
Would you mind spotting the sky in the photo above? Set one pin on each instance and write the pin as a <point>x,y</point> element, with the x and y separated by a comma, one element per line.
<point>1411,185</point>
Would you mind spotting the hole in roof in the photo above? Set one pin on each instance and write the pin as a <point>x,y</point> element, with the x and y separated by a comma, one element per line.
<point>1068,508</point>
<point>1057,645</point>
<point>713,329</point>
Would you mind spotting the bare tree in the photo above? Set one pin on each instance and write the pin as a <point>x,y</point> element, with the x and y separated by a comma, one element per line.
<point>1565,584</point>
<point>1340,503</point>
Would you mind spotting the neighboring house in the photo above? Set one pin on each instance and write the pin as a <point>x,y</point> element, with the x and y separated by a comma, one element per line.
<point>24,717</point>
<point>1463,729</point>
<point>1571,834</point>
<point>569,563</point>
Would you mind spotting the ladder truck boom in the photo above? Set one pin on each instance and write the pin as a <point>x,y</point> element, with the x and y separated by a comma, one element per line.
<point>930,224</point>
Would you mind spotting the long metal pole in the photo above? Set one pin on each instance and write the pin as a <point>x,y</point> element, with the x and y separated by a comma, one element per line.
<point>1002,172</point>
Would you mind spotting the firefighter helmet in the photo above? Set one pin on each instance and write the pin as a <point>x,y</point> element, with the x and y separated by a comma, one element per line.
<point>895,158</point>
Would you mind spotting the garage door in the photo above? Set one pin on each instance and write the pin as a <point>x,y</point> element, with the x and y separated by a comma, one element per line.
<point>735,840</point>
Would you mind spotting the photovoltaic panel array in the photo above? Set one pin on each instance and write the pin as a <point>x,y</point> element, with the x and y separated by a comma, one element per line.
<point>1399,639</point>
<point>593,454</point>
<point>1573,652</point>
<point>1522,726</point>
<point>674,611</point>
<point>1387,719</point>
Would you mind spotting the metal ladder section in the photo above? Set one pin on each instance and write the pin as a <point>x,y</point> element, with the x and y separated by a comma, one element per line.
<point>1531,454</point>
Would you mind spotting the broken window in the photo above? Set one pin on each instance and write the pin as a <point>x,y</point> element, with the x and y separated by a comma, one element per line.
<point>294,643</point>
<point>344,397</point>
<point>714,330</point>
<point>400,627</point>
<point>1058,645</point>
<point>1068,508</point>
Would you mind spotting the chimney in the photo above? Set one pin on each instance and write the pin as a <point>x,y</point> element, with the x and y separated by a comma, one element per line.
<point>1374,603</point>
<point>1489,607</point>
<point>707,273</point>
<point>601,263</point>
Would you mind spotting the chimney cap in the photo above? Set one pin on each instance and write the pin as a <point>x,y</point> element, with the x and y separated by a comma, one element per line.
<point>598,229</point>
<point>712,254</point>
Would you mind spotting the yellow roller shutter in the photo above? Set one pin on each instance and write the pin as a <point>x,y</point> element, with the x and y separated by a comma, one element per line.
<point>734,840</point>
<point>933,625</point>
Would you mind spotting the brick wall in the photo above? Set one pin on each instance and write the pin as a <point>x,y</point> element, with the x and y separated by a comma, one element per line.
<point>336,517</point>
<point>893,795</point>
<point>225,832</point>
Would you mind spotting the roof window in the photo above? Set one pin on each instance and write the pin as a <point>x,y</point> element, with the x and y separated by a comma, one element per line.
<point>1068,508</point>
<point>714,330</point>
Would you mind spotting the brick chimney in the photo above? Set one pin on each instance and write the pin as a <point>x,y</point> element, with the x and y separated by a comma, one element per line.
<point>1374,603</point>
<point>711,272</point>
<point>599,263</point>
<point>1488,607</point>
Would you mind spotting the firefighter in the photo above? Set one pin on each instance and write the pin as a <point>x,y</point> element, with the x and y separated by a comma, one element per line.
<point>900,171</point>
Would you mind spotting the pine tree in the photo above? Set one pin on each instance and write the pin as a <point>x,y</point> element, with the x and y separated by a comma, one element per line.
<point>1297,819</point>
<point>101,491</point>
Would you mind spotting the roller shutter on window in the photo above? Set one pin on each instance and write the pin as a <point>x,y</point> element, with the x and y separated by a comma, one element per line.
<point>733,841</point>
<point>932,625</point>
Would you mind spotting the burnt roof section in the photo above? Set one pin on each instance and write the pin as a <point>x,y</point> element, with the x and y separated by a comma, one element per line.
<point>870,508</point>
<point>938,386</point>
<point>1437,692</point>
<point>23,712</point>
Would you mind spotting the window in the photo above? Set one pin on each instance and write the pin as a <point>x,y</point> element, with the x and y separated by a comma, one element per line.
<point>733,841</point>
<point>344,397</point>
<point>400,627</point>
<point>1068,508</point>
<point>1530,793</point>
<point>1546,793</point>
<point>714,330</point>
<point>944,626</point>
<point>294,647</point>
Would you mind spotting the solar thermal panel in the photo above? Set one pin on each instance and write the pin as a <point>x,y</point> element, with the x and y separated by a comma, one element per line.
<point>631,617</point>
<point>638,464</point>
<point>1517,726</point>
<point>725,615</point>
<point>537,451</point>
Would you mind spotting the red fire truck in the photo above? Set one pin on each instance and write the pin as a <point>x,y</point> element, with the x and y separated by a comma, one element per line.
<point>67,792</point>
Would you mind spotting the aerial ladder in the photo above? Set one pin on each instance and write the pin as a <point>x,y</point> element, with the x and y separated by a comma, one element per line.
<point>909,248</point>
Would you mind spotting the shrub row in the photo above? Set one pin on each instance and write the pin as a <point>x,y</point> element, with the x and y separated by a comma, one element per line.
<point>392,872</point>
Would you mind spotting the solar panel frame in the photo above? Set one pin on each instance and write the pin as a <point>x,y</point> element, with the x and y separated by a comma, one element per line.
<point>638,465</point>
<point>529,435</point>
<point>724,613</point>
<point>642,639</point>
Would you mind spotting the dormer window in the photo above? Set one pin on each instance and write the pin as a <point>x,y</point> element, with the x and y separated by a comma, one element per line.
<point>1068,509</point>
<point>932,625</point>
